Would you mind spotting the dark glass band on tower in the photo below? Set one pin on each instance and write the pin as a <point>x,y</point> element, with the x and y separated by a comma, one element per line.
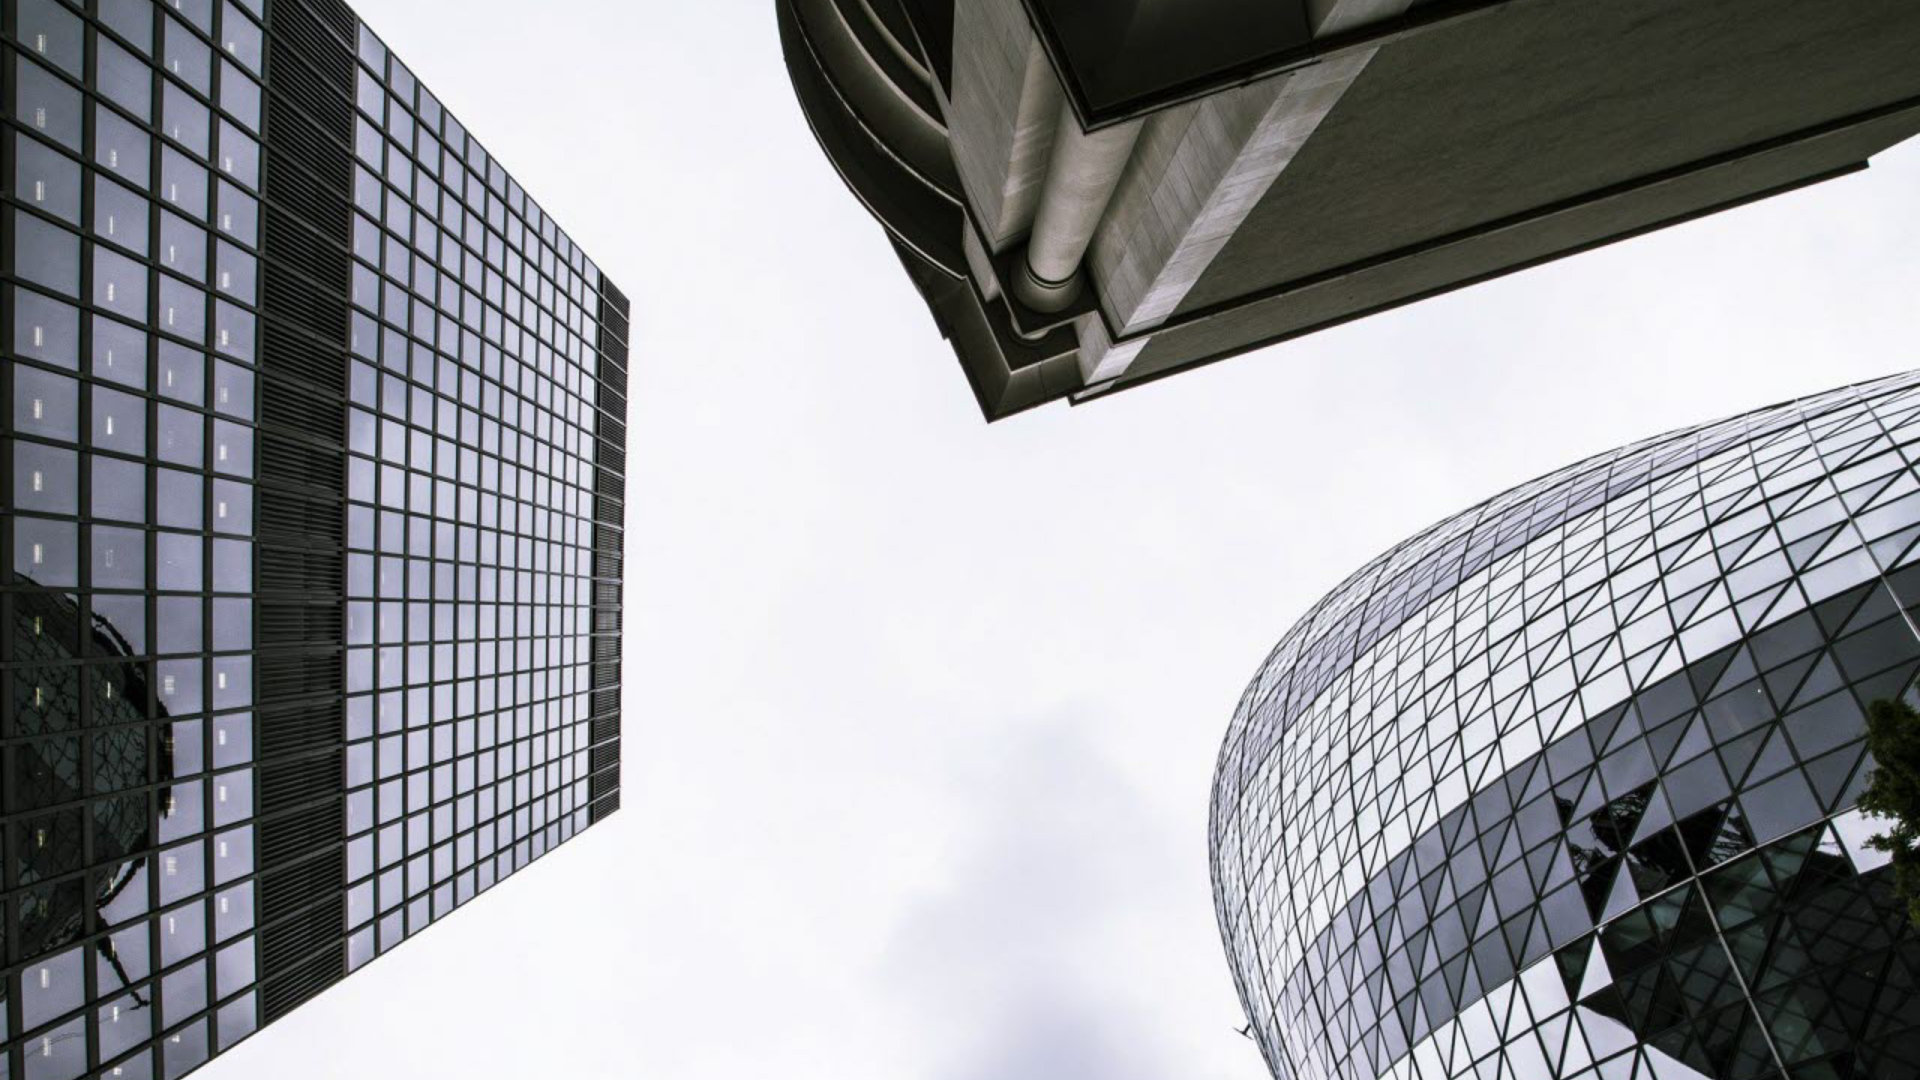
<point>1565,786</point>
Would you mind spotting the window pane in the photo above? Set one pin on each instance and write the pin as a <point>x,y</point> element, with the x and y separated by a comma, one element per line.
<point>53,33</point>
<point>126,80</point>
<point>183,374</point>
<point>44,478</point>
<point>45,329</point>
<point>182,437</point>
<point>46,404</point>
<point>131,19</point>
<point>232,507</point>
<point>46,254</point>
<point>240,36</point>
<point>119,215</point>
<point>239,155</point>
<point>236,272</point>
<point>187,58</point>
<point>177,565</point>
<point>183,309</point>
<point>47,104</point>
<point>183,184</point>
<point>119,489</point>
<point>46,179</point>
<point>119,352</point>
<point>119,421</point>
<point>183,246</point>
<point>121,147</point>
<point>180,498</point>
<point>119,558</point>
<point>185,120</point>
<point>119,284</point>
<point>125,617</point>
<point>239,96</point>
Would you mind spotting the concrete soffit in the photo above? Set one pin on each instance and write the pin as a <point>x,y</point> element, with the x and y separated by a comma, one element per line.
<point>1133,214</point>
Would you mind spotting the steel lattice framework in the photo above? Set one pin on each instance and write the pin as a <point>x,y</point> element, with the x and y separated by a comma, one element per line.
<point>1563,785</point>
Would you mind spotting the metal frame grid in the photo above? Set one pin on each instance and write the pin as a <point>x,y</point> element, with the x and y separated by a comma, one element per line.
<point>471,485</point>
<point>1563,785</point>
<point>410,671</point>
<point>131,169</point>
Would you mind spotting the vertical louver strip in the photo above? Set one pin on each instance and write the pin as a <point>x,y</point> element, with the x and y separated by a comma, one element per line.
<point>305,285</point>
<point>610,457</point>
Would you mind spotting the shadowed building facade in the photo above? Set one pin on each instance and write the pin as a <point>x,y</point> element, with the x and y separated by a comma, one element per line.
<point>1564,786</point>
<point>1093,196</point>
<point>313,471</point>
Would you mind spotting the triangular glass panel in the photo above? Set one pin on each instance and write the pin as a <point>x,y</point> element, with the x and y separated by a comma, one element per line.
<point>1621,900</point>
<point>1835,612</point>
<point>1738,669</point>
<point>1572,964</point>
<point>1888,684</point>
<point>1877,606</point>
<point>1596,884</point>
<point>1802,552</point>
<point>1738,754</point>
<point>1774,757</point>
<point>1657,816</point>
<point>1695,742</point>
<point>1823,677</point>
<point>1596,975</point>
<point>1829,774</point>
<point>1753,610</point>
<point>1890,550</point>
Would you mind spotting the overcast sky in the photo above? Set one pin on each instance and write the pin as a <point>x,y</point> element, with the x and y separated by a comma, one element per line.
<point>920,714</point>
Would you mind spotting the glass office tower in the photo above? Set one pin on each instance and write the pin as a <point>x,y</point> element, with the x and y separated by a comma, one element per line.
<point>314,480</point>
<point>1564,786</point>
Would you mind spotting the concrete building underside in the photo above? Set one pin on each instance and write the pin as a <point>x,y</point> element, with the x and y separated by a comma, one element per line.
<point>1088,203</point>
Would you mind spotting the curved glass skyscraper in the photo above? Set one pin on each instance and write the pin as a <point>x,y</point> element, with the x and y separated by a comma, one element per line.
<point>1563,786</point>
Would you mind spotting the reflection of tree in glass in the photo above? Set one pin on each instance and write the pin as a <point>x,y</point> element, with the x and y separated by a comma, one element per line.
<point>51,634</point>
<point>1893,793</point>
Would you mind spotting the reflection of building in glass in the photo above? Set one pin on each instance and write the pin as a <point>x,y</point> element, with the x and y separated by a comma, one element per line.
<point>314,474</point>
<point>1563,786</point>
<point>47,773</point>
<point>1092,196</point>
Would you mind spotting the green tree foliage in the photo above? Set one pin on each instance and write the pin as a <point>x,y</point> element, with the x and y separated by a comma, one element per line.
<point>1893,793</point>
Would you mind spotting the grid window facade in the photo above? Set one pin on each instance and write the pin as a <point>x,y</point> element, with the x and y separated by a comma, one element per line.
<point>132,166</point>
<point>470,517</point>
<point>1564,786</point>
<point>314,484</point>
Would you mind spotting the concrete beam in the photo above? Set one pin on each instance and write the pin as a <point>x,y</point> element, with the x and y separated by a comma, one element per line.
<point>1001,116</point>
<point>1198,171</point>
<point>1339,16</point>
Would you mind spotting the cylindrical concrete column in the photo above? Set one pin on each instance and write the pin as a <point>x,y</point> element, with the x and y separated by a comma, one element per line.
<point>1081,175</point>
